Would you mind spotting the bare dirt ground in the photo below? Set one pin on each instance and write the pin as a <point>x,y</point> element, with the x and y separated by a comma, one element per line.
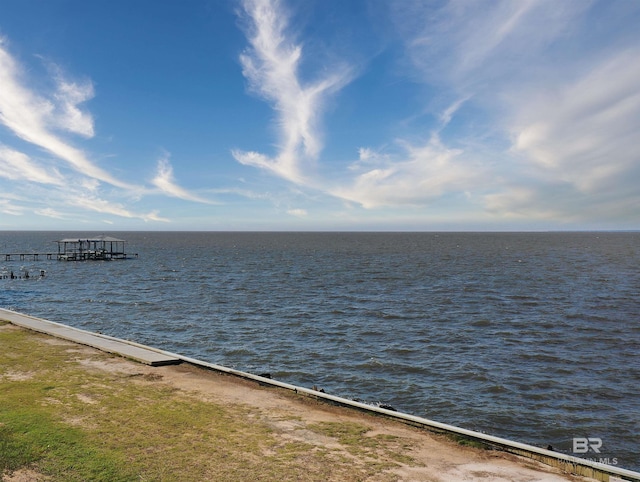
<point>436,458</point>
<point>291,417</point>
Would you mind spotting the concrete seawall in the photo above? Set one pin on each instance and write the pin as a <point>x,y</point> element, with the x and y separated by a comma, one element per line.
<point>155,357</point>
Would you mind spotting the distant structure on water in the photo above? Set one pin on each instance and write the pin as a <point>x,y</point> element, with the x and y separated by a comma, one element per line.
<point>98,248</point>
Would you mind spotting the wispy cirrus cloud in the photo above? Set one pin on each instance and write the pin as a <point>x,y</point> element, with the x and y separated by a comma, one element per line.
<point>272,67</point>
<point>472,47</point>
<point>165,182</point>
<point>15,165</point>
<point>49,213</point>
<point>34,118</point>
<point>74,183</point>
<point>10,208</point>
<point>104,206</point>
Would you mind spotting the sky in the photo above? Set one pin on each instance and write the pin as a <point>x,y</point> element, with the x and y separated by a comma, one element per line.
<point>371,115</point>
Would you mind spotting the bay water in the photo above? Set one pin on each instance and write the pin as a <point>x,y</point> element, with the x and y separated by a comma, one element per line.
<point>533,337</point>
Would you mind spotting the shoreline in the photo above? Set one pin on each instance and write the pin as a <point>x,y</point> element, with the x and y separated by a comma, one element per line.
<point>191,375</point>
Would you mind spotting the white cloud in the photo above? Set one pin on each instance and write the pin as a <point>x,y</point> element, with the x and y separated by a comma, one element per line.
<point>272,67</point>
<point>165,182</point>
<point>16,165</point>
<point>449,112</point>
<point>578,143</point>
<point>69,95</point>
<point>7,207</point>
<point>366,153</point>
<point>584,132</point>
<point>154,216</point>
<point>94,203</point>
<point>423,174</point>
<point>49,213</point>
<point>300,213</point>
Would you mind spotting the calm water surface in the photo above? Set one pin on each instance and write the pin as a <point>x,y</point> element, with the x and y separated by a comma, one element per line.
<point>530,336</point>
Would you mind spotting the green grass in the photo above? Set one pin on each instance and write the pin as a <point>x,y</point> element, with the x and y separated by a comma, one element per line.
<point>28,437</point>
<point>14,451</point>
<point>469,442</point>
<point>31,427</point>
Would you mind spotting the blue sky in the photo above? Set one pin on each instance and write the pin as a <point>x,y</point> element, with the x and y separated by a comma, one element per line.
<point>319,115</point>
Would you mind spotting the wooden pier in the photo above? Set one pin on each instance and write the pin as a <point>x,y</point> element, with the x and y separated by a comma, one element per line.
<point>28,256</point>
<point>56,256</point>
<point>99,248</point>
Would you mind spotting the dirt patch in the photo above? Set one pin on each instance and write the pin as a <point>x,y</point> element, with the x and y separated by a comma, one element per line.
<point>24,475</point>
<point>16,376</point>
<point>428,457</point>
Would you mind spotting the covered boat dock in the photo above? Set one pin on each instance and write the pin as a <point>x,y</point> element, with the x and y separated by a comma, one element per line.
<point>102,248</point>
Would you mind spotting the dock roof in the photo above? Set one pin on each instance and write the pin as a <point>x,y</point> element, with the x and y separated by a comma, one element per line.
<point>95,238</point>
